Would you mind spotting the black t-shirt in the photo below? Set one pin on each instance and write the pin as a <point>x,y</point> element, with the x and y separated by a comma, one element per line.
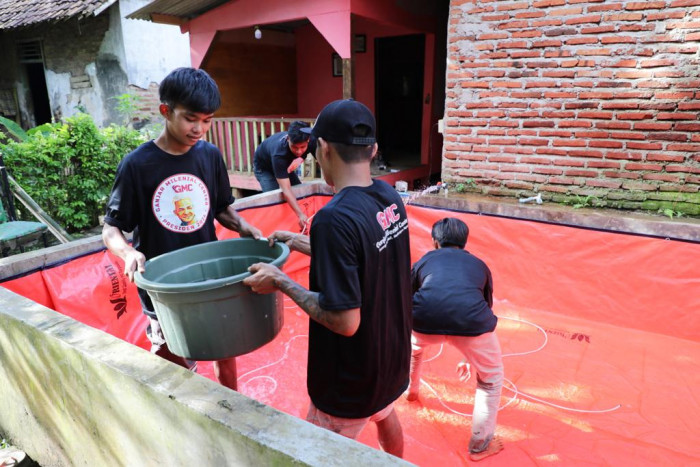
<point>453,294</point>
<point>274,156</point>
<point>360,257</point>
<point>151,185</point>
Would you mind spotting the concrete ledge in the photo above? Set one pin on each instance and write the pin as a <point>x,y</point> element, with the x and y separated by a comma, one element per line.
<point>603,219</point>
<point>275,196</point>
<point>73,395</point>
<point>34,260</point>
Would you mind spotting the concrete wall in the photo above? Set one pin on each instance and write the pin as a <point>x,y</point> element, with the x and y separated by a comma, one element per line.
<point>151,50</point>
<point>90,61</point>
<point>73,395</point>
<point>587,98</point>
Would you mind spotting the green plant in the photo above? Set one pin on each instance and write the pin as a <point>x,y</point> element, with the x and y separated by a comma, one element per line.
<point>13,128</point>
<point>127,105</point>
<point>463,187</point>
<point>582,202</point>
<point>4,444</point>
<point>671,213</point>
<point>68,168</point>
<point>44,129</point>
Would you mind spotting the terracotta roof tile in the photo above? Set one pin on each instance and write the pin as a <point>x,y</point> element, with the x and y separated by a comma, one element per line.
<point>20,13</point>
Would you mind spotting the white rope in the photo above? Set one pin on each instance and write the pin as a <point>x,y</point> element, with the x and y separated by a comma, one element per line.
<point>284,356</point>
<point>274,382</point>
<point>514,388</point>
<point>544,334</point>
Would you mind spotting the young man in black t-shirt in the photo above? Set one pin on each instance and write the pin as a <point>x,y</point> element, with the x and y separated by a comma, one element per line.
<point>276,161</point>
<point>452,300</point>
<point>359,300</point>
<point>169,191</point>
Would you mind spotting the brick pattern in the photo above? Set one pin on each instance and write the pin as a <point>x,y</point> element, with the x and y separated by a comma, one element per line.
<point>575,97</point>
<point>149,100</point>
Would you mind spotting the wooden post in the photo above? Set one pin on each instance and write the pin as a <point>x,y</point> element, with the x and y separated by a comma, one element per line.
<point>30,204</point>
<point>348,79</point>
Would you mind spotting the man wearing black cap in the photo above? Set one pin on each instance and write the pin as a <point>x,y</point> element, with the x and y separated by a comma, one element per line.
<point>359,300</point>
<point>276,160</point>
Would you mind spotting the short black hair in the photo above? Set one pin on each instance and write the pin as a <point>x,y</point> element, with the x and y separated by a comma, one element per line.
<point>295,134</point>
<point>450,231</point>
<point>351,153</point>
<point>193,89</point>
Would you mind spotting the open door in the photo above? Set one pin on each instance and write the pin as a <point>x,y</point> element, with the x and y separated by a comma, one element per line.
<point>399,63</point>
<point>32,58</point>
<point>39,92</point>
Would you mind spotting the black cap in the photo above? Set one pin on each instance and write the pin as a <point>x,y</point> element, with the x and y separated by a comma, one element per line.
<point>345,121</point>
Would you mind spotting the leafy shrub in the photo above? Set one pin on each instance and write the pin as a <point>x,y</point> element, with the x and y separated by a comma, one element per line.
<point>68,168</point>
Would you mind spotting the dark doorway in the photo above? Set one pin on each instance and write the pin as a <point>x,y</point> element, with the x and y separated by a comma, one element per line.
<point>40,95</point>
<point>399,63</point>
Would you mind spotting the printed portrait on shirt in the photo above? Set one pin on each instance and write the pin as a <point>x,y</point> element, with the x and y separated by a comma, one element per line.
<point>181,203</point>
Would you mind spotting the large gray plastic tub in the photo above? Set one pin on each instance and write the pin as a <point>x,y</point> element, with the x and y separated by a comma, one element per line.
<point>205,311</point>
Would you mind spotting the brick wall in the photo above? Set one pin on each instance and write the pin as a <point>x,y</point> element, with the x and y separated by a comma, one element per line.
<point>576,98</point>
<point>148,102</point>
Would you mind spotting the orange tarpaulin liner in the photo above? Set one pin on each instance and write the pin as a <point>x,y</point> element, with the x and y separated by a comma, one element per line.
<point>598,330</point>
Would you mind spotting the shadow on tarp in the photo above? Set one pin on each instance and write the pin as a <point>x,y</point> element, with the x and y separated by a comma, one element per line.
<point>599,333</point>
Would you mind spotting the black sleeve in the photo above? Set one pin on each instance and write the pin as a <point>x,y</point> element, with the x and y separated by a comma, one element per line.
<point>334,255</point>
<point>279,166</point>
<point>415,278</point>
<point>121,209</point>
<point>224,198</point>
<point>488,288</point>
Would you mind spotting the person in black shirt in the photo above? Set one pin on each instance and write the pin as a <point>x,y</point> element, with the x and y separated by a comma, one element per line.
<point>452,300</point>
<point>276,160</point>
<point>359,300</point>
<point>169,191</point>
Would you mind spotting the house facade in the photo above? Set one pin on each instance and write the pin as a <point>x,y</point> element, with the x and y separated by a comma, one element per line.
<point>582,101</point>
<point>288,59</point>
<point>62,57</point>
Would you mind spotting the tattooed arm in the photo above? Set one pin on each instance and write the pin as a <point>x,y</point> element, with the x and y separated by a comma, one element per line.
<point>295,242</point>
<point>267,278</point>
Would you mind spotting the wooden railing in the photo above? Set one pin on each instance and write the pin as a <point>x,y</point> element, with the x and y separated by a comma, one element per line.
<point>237,138</point>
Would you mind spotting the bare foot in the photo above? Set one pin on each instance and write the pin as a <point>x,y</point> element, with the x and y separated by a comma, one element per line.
<point>494,447</point>
<point>411,396</point>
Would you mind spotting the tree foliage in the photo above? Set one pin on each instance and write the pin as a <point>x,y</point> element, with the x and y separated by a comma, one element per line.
<point>68,168</point>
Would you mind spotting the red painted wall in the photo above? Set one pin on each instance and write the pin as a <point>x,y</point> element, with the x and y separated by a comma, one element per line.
<point>314,58</point>
<point>317,86</point>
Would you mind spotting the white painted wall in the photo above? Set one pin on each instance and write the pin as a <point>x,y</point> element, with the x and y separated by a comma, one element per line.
<point>68,102</point>
<point>132,52</point>
<point>113,42</point>
<point>151,50</point>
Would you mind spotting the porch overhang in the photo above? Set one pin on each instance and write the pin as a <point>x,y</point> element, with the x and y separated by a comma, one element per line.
<point>332,18</point>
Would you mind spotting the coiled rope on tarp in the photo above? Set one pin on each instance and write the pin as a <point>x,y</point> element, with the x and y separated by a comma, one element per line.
<point>514,388</point>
